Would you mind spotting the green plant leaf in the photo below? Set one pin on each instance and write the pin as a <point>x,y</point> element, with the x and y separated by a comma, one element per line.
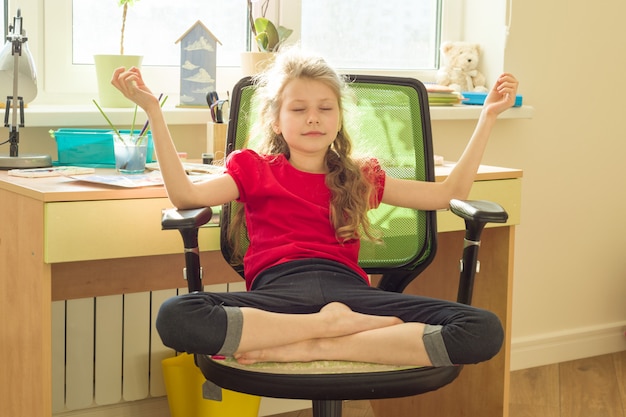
<point>263,25</point>
<point>283,33</point>
<point>262,42</point>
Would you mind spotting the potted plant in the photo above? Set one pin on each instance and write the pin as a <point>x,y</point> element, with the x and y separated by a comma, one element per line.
<point>267,36</point>
<point>106,64</point>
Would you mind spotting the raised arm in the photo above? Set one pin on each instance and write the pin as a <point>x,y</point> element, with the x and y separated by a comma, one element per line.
<point>181,191</point>
<point>434,196</point>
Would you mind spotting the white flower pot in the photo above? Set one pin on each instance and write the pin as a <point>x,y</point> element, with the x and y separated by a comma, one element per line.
<point>108,95</point>
<point>254,62</point>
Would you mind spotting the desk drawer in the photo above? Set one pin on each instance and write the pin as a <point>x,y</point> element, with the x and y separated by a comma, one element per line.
<point>109,229</point>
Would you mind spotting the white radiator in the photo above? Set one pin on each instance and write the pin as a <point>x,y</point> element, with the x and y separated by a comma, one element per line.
<point>106,350</point>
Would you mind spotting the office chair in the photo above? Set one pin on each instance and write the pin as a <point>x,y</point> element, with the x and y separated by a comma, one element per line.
<point>386,117</point>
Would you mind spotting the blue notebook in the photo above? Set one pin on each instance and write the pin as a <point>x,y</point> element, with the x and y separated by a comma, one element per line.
<point>477,99</point>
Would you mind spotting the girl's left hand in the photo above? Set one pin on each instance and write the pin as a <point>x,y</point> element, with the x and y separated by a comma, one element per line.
<point>502,94</point>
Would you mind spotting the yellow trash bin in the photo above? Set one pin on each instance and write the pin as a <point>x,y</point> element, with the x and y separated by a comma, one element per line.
<point>183,383</point>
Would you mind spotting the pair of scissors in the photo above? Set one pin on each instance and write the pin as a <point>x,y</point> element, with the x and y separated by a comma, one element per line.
<point>212,98</point>
<point>216,105</point>
<point>218,109</point>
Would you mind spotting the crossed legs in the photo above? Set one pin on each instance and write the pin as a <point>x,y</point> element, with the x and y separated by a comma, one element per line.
<point>335,333</point>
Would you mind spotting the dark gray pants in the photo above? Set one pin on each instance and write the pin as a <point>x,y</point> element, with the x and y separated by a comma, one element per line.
<point>198,323</point>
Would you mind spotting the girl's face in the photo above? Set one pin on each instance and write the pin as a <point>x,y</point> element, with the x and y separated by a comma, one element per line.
<point>309,117</point>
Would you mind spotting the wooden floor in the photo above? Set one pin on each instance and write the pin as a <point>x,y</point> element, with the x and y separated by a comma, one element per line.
<point>583,388</point>
<point>592,387</point>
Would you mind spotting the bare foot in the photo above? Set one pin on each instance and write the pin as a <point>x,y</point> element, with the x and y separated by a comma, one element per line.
<point>339,321</point>
<point>342,321</point>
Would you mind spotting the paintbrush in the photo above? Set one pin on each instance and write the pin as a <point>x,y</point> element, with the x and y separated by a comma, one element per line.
<point>145,126</point>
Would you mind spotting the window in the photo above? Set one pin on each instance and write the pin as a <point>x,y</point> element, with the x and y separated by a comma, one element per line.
<point>64,71</point>
<point>373,34</point>
<point>153,26</point>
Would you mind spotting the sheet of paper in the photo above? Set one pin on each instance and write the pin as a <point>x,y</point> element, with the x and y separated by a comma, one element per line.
<point>50,172</point>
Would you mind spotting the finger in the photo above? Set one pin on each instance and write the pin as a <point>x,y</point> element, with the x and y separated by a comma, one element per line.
<point>506,75</point>
<point>125,82</point>
<point>126,76</point>
<point>508,83</point>
<point>116,74</point>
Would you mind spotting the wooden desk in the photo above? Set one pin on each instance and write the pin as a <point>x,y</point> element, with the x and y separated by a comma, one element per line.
<point>63,239</point>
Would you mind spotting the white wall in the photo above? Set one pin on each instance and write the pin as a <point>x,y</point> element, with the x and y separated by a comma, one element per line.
<point>570,267</point>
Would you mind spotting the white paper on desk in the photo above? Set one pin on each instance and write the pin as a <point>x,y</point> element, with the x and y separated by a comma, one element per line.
<point>126,181</point>
<point>133,181</point>
<point>193,168</point>
<point>50,171</point>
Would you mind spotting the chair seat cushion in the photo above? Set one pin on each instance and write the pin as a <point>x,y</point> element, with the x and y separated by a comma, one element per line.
<point>312,368</point>
<point>325,380</point>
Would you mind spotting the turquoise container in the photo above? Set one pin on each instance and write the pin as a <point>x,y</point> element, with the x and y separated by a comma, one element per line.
<point>91,147</point>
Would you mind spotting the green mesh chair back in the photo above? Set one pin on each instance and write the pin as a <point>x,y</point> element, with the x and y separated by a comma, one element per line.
<point>386,118</point>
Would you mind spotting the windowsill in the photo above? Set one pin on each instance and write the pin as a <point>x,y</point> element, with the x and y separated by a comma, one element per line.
<point>465,112</point>
<point>41,115</point>
<point>45,115</point>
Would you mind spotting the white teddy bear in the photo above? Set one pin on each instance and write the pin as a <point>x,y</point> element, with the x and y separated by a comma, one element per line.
<point>460,71</point>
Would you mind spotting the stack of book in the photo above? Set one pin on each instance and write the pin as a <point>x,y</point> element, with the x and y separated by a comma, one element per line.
<point>441,95</point>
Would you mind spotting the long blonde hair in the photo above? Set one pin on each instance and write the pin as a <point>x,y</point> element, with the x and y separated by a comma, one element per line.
<point>351,192</point>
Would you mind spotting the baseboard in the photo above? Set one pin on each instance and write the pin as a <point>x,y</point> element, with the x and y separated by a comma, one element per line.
<point>545,349</point>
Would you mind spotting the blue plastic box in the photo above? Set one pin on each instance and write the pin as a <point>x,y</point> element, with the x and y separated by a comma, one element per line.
<point>477,99</point>
<point>90,147</point>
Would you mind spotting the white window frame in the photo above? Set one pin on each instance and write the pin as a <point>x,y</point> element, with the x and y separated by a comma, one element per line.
<point>49,31</point>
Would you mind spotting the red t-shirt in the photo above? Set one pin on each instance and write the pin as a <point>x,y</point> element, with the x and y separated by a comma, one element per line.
<point>287,213</point>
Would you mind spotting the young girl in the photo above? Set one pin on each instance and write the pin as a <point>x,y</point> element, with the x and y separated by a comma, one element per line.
<point>308,299</point>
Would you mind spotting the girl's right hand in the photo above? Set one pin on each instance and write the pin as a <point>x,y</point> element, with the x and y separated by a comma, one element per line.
<point>131,84</point>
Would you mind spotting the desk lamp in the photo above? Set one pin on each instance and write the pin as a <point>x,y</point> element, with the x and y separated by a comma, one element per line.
<point>14,71</point>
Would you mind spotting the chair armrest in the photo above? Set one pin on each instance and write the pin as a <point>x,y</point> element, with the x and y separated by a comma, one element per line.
<point>187,222</point>
<point>479,210</point>
<point>476,213</point>
<point>185,219</point>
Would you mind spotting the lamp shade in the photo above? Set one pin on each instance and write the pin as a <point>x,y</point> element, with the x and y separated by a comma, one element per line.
<point>26,73</point>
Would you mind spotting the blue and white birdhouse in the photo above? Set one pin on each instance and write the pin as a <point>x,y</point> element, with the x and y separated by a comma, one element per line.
<point>197,65</point>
